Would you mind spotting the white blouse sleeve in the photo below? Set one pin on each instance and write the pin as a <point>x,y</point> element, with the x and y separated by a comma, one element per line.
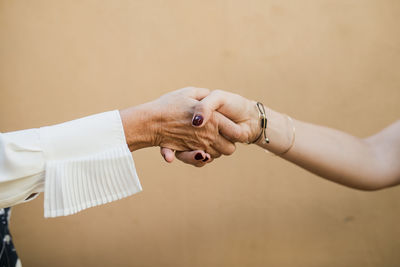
<point>78,164</point>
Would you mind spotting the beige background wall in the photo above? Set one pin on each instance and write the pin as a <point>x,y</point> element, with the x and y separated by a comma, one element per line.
<point>331,62</point>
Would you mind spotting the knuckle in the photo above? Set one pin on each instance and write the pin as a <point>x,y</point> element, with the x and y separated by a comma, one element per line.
<point>206,90</point>
<point>216,155</point>
<point>212,139</point>
<point>242,139</point>
<point>231,150</point>
<point>217,92</point>
<point>188,88</point>
<point>228,153</point>
<point>238,135</point>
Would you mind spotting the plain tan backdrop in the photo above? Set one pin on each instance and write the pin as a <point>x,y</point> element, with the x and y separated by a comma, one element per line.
<point>330,62</point>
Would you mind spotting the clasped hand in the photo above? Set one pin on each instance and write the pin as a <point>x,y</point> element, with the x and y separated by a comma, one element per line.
<point>192,124</point>
<point>218,120</point>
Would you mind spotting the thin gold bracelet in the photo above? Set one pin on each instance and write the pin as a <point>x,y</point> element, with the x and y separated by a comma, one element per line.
<point>263,123</point>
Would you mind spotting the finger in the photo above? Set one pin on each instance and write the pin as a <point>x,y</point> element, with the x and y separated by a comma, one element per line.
<point>168,154</point>
<point>194,158</point>
<point>213,153</point>
<point>197,93</point>
<point>203,111</point>
<point>207,159</point>
<point>228,128</point>
<point>224,146</point>
<point>210,160</point>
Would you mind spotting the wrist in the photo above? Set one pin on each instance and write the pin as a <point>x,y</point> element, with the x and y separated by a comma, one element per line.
<point>279,132</point>
<point>141,126</point>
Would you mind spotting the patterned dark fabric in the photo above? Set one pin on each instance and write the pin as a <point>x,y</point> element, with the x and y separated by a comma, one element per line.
<point>8,255</point>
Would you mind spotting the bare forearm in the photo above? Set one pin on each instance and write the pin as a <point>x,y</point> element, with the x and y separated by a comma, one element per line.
<point>331,154</point>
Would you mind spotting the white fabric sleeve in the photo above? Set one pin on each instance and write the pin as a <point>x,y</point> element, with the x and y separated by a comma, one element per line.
<point>78,164</point>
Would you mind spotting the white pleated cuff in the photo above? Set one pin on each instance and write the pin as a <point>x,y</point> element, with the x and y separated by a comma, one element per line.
<point>88,163</point>
<point>75,185</point>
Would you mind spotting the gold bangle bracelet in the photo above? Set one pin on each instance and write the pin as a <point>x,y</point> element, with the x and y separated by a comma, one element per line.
<point>263,123</point>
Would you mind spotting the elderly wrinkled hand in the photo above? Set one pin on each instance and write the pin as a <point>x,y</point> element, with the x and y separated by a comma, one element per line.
<point>167,122</point>
<point>238,109</point>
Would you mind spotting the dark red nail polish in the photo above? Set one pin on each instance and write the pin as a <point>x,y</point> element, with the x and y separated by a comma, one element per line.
<point>197,120</point>
<point>198,156</point>
<point>206,159</point>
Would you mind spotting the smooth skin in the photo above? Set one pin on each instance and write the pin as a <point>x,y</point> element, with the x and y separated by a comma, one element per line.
<point>370,163</point>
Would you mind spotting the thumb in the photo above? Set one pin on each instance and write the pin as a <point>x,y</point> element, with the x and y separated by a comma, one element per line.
<point>204,109</point>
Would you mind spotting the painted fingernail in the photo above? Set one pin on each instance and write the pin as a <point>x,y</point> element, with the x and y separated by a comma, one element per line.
<point>197,120</point>
<point>198,156</point>
<point>206,159</point>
